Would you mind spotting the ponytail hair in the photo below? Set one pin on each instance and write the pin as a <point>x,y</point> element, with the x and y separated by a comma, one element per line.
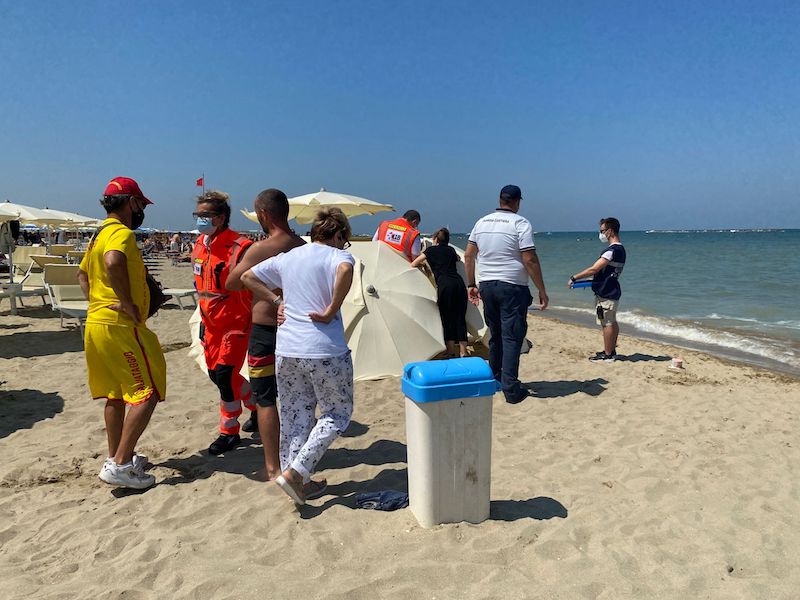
<point>327,223</point>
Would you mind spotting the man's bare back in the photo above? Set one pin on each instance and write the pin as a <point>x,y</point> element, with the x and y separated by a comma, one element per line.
<point>264,313</point>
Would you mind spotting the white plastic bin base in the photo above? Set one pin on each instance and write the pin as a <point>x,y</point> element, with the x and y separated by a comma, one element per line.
<point>449,459</point>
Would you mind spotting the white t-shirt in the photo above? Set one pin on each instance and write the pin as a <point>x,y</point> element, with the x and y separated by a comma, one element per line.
<point>306,274</point>
<point>501,236</point>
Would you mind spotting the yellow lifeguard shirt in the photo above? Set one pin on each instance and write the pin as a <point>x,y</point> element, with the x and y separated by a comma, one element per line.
<point>114,236</point>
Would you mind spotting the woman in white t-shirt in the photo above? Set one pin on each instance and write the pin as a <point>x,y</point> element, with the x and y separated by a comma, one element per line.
<point>312,361</point>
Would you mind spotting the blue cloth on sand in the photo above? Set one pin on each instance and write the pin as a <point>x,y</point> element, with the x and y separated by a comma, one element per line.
<point>385,500</point>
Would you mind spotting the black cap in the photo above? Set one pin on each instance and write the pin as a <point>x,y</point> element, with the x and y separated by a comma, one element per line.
<point>511,192</point>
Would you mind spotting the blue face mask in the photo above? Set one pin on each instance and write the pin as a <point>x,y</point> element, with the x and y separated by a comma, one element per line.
<point>205,225</point>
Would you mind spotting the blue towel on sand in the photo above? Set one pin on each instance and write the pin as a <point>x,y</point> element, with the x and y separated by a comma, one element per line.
<point>385,500</point>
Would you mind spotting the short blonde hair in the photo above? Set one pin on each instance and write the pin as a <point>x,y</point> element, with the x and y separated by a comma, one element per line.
<point>219,200</point>
<point>327,223</point>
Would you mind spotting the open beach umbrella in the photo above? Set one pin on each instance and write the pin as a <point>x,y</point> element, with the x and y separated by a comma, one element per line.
<point>303,209</point>
<point>6,213</point>
<point>71,219</point>
<point>390,314</point>
<point>29,214</point>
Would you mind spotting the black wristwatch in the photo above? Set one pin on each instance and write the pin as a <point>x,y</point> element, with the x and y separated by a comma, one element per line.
<point>472,285</point>
<point>572,278</point>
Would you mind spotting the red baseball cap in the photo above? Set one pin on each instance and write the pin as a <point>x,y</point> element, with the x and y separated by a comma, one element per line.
<point>125,186</point>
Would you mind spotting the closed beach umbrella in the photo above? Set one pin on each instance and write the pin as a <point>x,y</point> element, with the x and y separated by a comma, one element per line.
<point>303,209</point>
<point>390,314</point>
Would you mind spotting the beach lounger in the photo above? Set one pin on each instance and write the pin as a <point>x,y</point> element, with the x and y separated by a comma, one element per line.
<point>21,257</point>
<point>65,294</point>
<point>59,249</point>
<point>41,260</point>
<point>179,293</point>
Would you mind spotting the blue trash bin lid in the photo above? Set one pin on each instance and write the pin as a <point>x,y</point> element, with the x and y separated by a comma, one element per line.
<point>435,380</point>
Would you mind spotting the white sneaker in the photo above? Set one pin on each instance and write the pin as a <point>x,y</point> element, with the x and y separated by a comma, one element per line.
<point>126,476</point>
<point>139,463</point>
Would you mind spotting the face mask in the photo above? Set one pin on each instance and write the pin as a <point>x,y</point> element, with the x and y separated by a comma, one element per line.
<point>205,225</point>
<point>137,218</point>
<point>603,238</point>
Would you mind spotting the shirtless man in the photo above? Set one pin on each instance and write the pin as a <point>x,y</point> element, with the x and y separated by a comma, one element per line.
<point>272,211</point>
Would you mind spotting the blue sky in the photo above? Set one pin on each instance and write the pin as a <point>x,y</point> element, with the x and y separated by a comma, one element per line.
<point>664,114</point>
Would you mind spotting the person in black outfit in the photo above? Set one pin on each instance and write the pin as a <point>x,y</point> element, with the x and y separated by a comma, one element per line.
<point>451,291</point>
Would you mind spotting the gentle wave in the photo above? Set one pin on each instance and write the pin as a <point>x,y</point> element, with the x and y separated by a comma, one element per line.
<point>724,339</point>
<point>668,328</point>
<point>785,324</point>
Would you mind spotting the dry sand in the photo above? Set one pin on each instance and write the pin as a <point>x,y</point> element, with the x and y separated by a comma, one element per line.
<point>621,480</point>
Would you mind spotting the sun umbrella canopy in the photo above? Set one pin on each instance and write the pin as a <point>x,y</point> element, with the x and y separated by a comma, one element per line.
<point>43,217</point>
<point>28,214</point>
<point>6,214</point>
<point>71,219</point>
<point>303,209</point>
<point>390,315</point>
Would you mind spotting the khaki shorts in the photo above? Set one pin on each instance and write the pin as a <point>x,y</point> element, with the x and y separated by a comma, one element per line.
<point>606,311</point>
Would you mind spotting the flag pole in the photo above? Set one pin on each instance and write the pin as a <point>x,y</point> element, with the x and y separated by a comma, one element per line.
<point>204,183</point>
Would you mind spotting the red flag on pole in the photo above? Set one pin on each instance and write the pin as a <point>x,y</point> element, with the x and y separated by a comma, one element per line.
<point>199,182</point>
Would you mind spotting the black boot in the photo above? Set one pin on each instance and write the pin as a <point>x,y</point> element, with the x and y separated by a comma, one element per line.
<point>251,425</point>
<point>224,443</point>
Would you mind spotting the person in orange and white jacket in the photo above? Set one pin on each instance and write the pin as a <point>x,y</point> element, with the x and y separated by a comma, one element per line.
<point>226,315</point>
<point>401,234</point>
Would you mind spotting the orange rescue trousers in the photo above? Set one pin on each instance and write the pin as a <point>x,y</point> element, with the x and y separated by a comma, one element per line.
<point>234,389</point>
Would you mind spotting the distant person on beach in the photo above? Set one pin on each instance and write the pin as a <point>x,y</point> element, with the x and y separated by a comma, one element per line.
<point>124,359</point>
<point>502,243</point>
<point>605,274</point>
<point>313,364</point>
<point>401,234</point>
<point>272,210</point>
<point>225,315</point>
<point>451,293</point>
<point>175,243</point>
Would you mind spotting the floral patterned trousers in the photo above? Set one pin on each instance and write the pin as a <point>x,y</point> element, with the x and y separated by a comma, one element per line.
<point>303,385</point>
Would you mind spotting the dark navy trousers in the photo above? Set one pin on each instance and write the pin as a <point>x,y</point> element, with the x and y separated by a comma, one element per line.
<point>505,309</point>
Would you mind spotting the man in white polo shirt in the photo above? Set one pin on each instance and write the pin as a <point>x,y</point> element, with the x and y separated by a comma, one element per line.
<point>502,242</point>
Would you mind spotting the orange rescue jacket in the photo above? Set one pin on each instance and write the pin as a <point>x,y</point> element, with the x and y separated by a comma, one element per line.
<point>399,234</point>
<point>220,308</point>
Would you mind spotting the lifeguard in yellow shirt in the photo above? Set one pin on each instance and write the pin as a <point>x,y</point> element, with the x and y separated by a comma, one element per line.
<point>124,359</point>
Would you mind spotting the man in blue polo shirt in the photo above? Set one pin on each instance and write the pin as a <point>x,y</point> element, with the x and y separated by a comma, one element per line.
<point>502,243</point>
<point>605,274</point>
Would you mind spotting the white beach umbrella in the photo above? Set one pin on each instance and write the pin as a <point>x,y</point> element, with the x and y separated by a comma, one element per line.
<point>29,214</point>
<point>303,209</point>
<point>390,314</point>
<point>71,219</point>
<point>6,213</point>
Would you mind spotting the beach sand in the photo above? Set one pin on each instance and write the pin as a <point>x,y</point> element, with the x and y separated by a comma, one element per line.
<point>622,480</point>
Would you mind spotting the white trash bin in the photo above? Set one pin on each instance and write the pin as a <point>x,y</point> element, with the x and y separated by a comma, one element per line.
<point>449,439</point>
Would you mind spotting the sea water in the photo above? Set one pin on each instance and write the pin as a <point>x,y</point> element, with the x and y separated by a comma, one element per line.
<point>733,293</point>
